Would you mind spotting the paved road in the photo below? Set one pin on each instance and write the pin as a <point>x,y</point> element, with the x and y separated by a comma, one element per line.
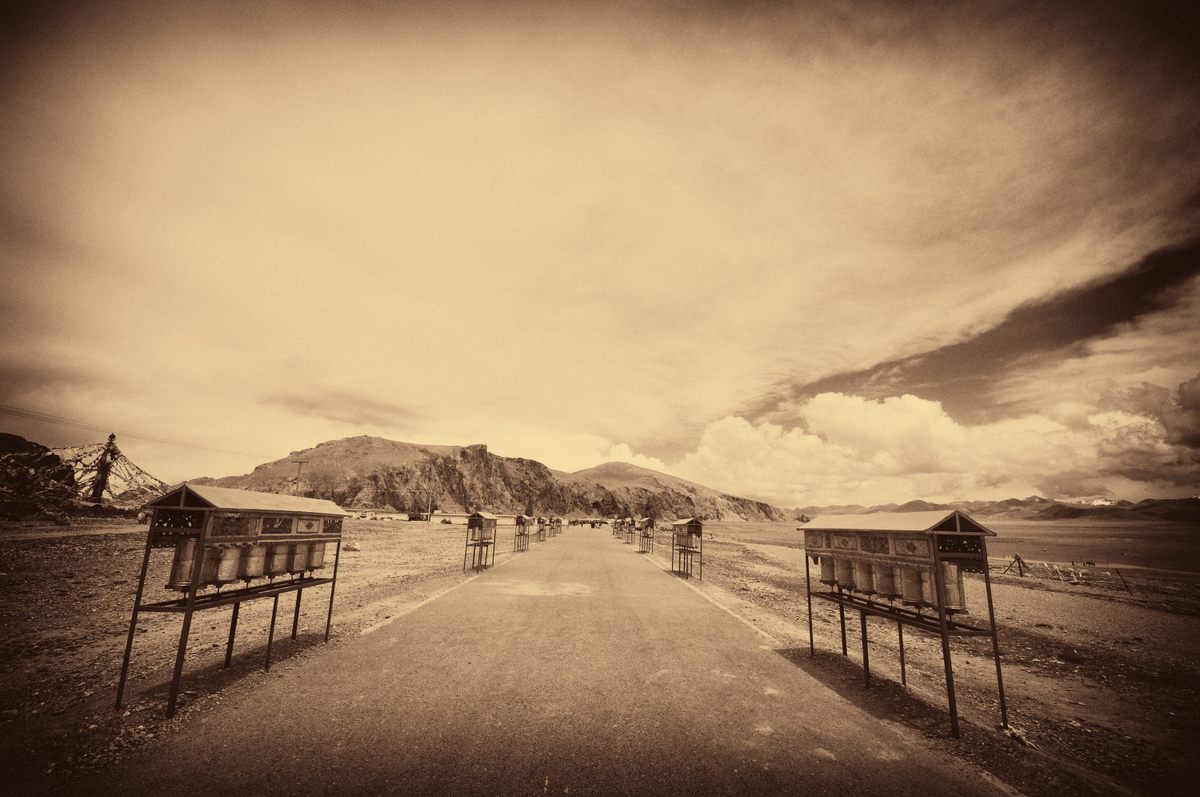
<point>576,668</point>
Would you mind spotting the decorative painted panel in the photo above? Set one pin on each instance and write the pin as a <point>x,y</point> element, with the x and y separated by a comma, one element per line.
<point>308,525</point>
<point>178,519</point>
<point>874,543</point>
<point>954,543</point>
<point>231,526</point>
<point>843,542</point>
<point>277,525</point>
<point>816,539</point>
<point>912,546</point>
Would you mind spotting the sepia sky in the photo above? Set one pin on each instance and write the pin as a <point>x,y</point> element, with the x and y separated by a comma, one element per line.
<point>816,254</point>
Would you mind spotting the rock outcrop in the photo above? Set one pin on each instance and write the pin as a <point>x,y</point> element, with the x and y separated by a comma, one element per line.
<point>373,473</point>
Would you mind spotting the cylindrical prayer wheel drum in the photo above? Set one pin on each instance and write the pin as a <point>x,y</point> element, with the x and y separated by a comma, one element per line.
<point>953,578</point>
<point>316,557</point>
<point>928,588</point>
<point>828,573</point>
<point>844,572</point>
<point>254,560</point>
<point>227,568</point>
<point>211,566</point>
<point>863,580</point>
<point>181,565</point>
<point>909,583</point>
<point>298,562</point>
<point>277,559</point>
<point>885,580</point>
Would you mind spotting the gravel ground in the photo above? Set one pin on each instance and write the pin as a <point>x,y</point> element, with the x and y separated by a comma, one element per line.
<point>1101,684</point>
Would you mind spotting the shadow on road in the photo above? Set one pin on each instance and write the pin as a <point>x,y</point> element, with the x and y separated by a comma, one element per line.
<point>211,677</point>
<point>884,699</point>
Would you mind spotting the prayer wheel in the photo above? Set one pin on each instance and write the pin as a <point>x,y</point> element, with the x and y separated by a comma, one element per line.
<point>828,573</point>
<point>298,561</point>
<point>885,580</point>
<point>277,559</point>
<point>211,566</point>
<point>254,559</point>
<point>844,572</point>
<point>227,566</point>
<point>863,580</point>
<point>953,586</point>
<point>909,583</point>
<point>181,565</point>
<point>316,557</point>
<point>928,588</point>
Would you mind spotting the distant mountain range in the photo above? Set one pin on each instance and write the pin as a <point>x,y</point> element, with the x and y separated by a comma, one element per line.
<point>374,473</point>
<point>1038,508</point>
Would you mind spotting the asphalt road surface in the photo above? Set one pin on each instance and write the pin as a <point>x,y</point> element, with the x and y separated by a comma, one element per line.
<point>580,667</point>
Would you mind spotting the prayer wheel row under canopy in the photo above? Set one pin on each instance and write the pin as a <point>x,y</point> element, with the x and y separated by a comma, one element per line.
<point>896,565</point>
<point>247,544</point>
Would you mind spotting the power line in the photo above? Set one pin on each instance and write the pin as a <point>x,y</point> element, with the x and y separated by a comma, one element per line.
<point>56,419</point>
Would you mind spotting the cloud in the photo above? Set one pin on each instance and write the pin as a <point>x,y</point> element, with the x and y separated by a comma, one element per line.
<point>850,449</point>
<point>1178,415</point>
<point>962,375</point>
<point>344,407</point>
<point>590,231</point>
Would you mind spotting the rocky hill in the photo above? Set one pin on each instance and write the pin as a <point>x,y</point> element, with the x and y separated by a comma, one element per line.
<point>373,473</point>
<point>659,495</point>
<point>34,482</point>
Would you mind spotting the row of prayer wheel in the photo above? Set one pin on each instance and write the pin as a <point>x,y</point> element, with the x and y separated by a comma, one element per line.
<point>912,584</point>
<point>224,564</point>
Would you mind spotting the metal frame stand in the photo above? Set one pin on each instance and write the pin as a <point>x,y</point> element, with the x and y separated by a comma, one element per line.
<point>479,550</point>
<point>646,542</point>
<point>685,556</point>
<point>943,625</point>
<point>194,602</point>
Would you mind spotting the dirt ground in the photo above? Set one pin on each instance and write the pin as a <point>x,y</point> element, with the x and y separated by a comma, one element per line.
<point>65,600</point>
<point>1100,683</point>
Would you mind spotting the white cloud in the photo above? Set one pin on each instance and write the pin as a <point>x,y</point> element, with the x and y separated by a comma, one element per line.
<point>854,450</point>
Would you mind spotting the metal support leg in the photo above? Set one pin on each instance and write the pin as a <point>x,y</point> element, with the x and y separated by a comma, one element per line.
<point>842,621</point>
<point>332,587</point>
<point>938,579</point>
<point>137,604</point>
<point>866,655</point>
<point>271,633</point>
<point>232,632</point>
<point>812,646</point>
<point>987,581</point>
<point>903,674</point>
<point>197,564</point>
<point>296,613</point>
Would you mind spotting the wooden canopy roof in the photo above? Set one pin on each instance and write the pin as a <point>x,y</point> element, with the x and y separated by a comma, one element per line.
<point>206,496</point>
<point>939,521</point>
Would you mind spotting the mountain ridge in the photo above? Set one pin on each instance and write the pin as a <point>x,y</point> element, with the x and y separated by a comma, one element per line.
<point>374,473</point>
<point>1036,507</point>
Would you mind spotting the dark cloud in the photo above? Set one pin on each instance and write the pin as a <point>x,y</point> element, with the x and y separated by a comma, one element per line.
<point>342,407</point>
<point>961,375</point>
<point>18,379</point>
<point>1179,415</point>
